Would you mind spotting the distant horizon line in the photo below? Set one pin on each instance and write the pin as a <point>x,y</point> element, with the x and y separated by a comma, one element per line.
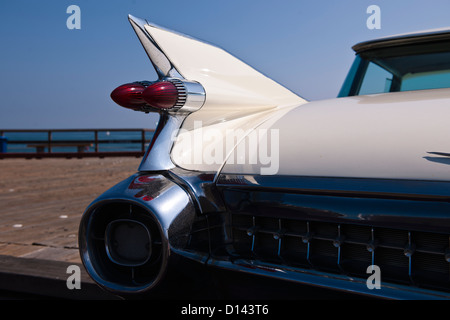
<point>77,128</point>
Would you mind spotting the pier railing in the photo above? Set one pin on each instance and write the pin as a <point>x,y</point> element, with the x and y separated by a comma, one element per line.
<point>68,143</point>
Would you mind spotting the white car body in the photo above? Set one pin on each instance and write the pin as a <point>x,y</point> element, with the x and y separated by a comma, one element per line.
<point>243,175</point>
<point>387,136</point>
<point>395,132</point>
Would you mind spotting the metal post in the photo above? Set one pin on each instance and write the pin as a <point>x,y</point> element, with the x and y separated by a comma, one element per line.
<point>49,141</point>
<point>143,140</point>
<point>96,140</point>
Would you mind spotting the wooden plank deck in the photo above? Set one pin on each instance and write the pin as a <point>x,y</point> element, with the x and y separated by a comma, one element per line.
<point>23,279</point>
<point>42,200</point>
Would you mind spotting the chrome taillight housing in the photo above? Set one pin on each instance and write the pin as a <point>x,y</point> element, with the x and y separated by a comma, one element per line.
<point>164,95</point>
<point>167,94</point>
<point>172,96</point>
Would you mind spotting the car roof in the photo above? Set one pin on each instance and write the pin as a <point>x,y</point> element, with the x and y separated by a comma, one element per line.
<point>433,35</point>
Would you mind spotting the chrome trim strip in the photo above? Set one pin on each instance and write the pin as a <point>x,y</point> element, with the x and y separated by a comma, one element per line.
<point>328,281</point>
<point>157,156</point>
<point>342,186</point>
<point>164,68</point>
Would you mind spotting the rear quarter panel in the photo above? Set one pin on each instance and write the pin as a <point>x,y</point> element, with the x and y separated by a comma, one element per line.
<point>387,136</point>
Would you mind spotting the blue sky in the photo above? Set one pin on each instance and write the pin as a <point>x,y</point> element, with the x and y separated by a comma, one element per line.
<point>53,77</point>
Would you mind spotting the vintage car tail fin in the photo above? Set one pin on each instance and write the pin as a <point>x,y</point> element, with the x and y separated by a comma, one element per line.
<point>197,82</point>
<point>227,81</point>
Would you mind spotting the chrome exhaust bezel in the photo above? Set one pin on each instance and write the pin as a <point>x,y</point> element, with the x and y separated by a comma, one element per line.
<point>110,250</point>
<point>89,259</point>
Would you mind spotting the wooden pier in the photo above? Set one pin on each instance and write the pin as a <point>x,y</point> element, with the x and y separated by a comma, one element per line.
<point>41,203</point>
<point>95,143</point>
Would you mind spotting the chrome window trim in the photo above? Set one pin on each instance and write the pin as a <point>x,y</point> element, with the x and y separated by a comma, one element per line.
<point>405,39</point>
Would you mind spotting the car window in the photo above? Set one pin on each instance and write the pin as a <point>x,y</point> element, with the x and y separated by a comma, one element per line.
<point>402,68</point>
<point>376,80</point>
<point>426,80</point>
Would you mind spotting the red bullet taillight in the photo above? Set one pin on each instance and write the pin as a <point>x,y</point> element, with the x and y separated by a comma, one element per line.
<point>171,95</point>
<point>129,96</point>
<point>141,96</point>
<point>161,95</point>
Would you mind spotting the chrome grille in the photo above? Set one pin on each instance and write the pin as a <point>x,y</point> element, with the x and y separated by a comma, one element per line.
<point>407,257</point>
